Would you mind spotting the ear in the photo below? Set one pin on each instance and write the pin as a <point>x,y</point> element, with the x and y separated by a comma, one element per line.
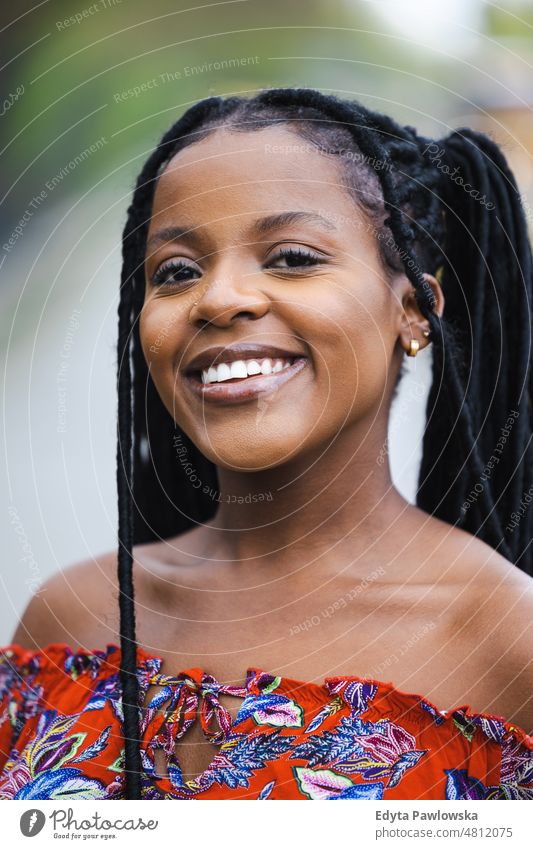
<point>411,321</point>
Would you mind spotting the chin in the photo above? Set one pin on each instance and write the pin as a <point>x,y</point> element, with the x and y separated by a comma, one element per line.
<point>256,451</point>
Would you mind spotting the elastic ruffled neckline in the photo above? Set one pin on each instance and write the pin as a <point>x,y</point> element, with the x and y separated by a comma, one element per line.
<point>55,654</point>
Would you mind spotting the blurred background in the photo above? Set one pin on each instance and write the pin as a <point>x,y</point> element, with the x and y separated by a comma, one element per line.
<point>87,91</point>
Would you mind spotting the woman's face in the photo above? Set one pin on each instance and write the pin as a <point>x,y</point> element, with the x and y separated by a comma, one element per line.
<point>262,274</point>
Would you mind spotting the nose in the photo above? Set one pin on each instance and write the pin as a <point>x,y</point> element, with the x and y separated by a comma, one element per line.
<point>229,297</point>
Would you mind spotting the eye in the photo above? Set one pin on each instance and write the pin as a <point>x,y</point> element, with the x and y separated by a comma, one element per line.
<point>295,259</point>
<point>174,273</point>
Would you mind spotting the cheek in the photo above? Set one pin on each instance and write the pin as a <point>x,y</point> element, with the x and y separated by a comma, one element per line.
<point>162,328</point>
<point>352,351</point>
<point>159,332</point>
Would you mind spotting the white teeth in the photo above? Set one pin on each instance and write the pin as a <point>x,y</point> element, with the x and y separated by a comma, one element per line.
<point>223,372</point>
<point>238,369</point>
<point>242,369</point>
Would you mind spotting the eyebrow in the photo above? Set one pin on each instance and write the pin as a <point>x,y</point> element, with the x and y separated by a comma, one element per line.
<point>260,228</point>
<point>285,219</point>
<point>172,234</point>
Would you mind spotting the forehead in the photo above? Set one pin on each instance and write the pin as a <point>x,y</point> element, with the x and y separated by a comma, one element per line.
<point>248,172</point>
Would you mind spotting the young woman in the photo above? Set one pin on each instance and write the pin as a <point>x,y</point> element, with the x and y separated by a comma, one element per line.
<point>282,255</point>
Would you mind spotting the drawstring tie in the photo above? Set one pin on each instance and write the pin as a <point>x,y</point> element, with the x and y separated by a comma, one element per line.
<point>183,694</point>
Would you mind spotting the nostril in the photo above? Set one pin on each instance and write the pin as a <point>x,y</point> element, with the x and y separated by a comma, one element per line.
<point>246,316</point>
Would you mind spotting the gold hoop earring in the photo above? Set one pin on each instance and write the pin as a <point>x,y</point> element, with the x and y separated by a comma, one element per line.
<point>413,348</point>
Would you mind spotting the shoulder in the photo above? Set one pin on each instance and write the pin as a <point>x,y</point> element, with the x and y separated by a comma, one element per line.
<point>507,622</point>
<point>78,605</point>
<point>491,604</point>
<point>498,595</point>
<point>499,610</point>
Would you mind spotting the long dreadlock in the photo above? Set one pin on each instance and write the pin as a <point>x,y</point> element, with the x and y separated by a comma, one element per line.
<point>450,207</point>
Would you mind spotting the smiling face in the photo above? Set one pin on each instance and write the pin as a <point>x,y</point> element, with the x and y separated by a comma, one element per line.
<point>269,323</point>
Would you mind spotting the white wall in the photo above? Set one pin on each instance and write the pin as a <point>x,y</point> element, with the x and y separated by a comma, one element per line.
<point>58,501</point>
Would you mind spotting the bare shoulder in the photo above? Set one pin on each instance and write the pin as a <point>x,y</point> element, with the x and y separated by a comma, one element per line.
<point>491,605</point>
<point>77,605</point>
<point>499,609</point>
<point>490,581</point>
<point>502,599</point>
<point>466,559</point>
<point>504,620</point>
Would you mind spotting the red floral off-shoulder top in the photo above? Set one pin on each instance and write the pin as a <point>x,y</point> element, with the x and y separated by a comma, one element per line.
<point>348,738</point>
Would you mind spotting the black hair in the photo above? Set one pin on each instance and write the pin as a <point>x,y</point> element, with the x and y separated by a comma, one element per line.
<point>449,207</point>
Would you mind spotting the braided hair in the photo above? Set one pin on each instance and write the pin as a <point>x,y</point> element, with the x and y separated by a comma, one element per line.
<point>450,208</point>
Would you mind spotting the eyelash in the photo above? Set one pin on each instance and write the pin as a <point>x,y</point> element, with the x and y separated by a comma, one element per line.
<point>176,266</point>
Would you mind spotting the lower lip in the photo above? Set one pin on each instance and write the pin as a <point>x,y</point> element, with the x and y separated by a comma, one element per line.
<point>246,388</point>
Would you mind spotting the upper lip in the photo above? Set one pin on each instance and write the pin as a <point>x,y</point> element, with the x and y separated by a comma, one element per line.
<point>229,353</point>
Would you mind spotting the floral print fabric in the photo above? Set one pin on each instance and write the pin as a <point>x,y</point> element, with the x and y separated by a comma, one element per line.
<point>349,738</point>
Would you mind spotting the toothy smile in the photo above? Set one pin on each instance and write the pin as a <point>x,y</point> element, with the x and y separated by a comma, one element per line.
<point>240,369</point>
<point>241,372</point>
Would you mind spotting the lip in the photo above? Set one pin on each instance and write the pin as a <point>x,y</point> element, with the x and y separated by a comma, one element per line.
<point>230,353</point>
<point>244,389</point>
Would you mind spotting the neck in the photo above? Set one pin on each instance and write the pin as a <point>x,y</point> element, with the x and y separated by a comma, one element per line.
<point>315,507</point>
